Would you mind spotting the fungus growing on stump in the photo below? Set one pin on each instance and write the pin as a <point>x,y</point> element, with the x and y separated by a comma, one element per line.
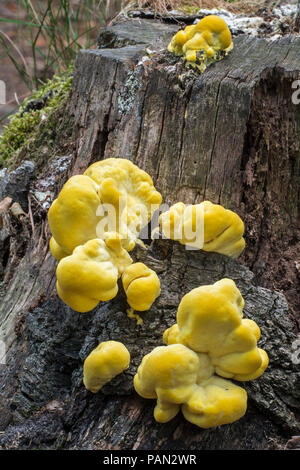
<point>205,226</point>
<point>95,221</point>
<point>141,285</point>
<point>91,273</point>
<point>210,339</point>
<point>105,362</point>
<point>203,43</point>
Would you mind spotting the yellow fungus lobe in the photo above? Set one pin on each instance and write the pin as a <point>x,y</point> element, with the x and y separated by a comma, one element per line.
<point>141,285</point>
<point>73,215</point>
<point>178,378</point>
<point>56,250</point>
<point>203,43</point>
<point>113,195</point>
<point>129,195</point>
<point>205,226</point>
<point>107,360</point>
<point>210,339</point>
<point>91,273</point>
<point>210,320</point>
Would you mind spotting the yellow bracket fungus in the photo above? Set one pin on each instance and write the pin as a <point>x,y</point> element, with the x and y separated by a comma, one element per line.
<point>130,191</point>
<point>203,43</point>
<point>107,360</point>
<point>178,378</point>
<point>113,195</point>
<point>91,273</point>
<point>210,320</point>
<point>141,285</point>
<point>95,220</point>
<point>210,338</point>
<point>205,226</point>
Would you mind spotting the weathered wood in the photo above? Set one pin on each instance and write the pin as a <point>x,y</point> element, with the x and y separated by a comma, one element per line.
<point>231,135</point>
<point>58,340</point>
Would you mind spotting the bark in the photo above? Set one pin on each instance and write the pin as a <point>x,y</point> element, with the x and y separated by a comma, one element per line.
<point>230,135</point>
<point>297,19</point>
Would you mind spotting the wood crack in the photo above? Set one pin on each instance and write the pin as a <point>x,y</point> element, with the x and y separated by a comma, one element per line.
<point>214,132</point>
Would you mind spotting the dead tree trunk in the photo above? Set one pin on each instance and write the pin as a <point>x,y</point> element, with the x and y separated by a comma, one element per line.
<point>230,135</point>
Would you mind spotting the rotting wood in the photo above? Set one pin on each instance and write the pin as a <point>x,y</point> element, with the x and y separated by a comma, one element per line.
<point>231,135</point>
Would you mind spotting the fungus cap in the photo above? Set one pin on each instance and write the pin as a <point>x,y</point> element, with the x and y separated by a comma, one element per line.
<point>106,361</point>
<point>179,378</point>
<point>141,285</point>
<point>203,42</point>
<point>210,320</point>
<point>90,274</point>
<point>72,216</point>
<point>129,191</point>
<point>215,402</point>
<point>205,226</point>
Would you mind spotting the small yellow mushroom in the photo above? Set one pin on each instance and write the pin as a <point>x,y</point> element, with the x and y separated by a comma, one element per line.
<point>210,320</point>
<point>205,226</point>
<point>223,230</point>
<point>141,285</point>
<point>91,273</point>
<point>168,374</point>
<point>178,378</point>
<point>107,360</point>
<point>204,42</point>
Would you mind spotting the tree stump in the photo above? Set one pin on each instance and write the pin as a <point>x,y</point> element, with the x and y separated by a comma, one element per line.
<point>230,135</point>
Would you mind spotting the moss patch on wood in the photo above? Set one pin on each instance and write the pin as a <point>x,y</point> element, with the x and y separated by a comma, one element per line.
<point>35,111</point>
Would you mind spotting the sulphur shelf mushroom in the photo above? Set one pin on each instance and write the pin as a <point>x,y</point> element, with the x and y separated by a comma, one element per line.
<point>203,43</point>
<point>95,221</point>
<point>113,195</point>
<point>210,343</point>
<point>141,285</point>
<point>205,226</point>
<point>91,273</point>
<point>105,362</point>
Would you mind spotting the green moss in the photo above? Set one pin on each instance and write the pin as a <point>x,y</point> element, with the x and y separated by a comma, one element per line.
<point>26,122</point>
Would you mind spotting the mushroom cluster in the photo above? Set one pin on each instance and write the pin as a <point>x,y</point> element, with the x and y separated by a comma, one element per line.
<point>210,339</point>
<point>203,43</point>
<point>205,226</point>
<point>95,221</point>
